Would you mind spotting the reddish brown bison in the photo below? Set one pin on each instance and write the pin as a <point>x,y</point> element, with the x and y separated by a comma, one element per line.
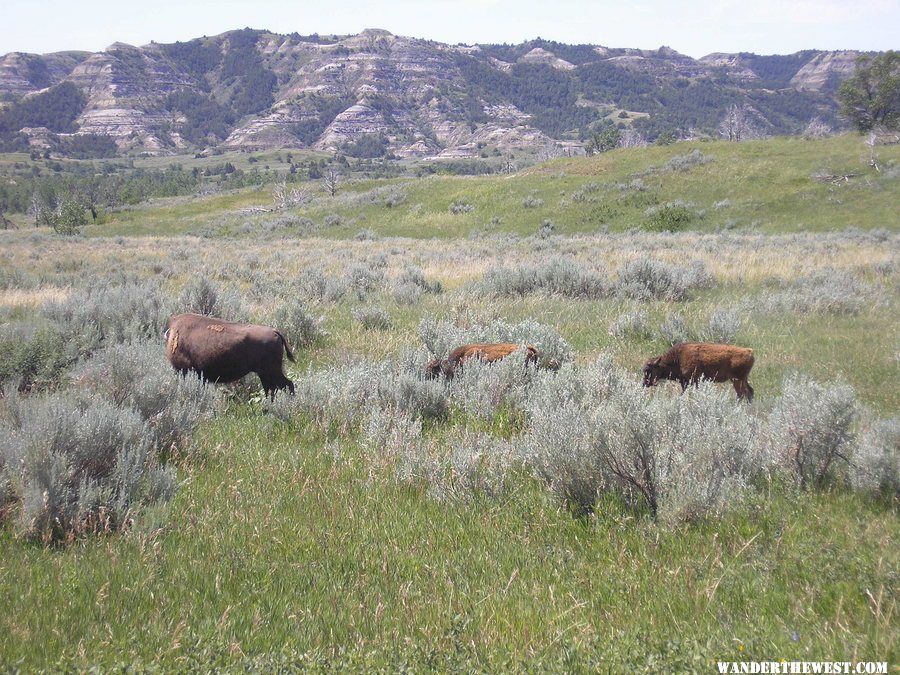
<point>488,353</point>
<point>690,362</point>
<point>222,351</point>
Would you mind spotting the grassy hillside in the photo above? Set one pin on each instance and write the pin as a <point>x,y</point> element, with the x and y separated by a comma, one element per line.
<point>380,521</point>
<point>769,185</point>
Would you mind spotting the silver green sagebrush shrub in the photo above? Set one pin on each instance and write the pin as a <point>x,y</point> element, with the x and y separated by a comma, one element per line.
<point>826,291</point>
<point>649,279</point>
<point>481,389</point>
<point>85,467</point>
<point>674,329</point>
<point>202,296</point>
<point>476,465</point>
<point>558,276</point>
<point>723,326</point>
<point>631,324</point>
<point>371,318</point>
<point>299,326</point>
<point>810,429</point>
<point>875,463</point>
<point>106,313</point>
<point>441,337</point>
<point>139,377</point>
<point>684,457</point>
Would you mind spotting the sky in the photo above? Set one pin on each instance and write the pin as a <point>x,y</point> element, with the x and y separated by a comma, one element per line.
<point>692,27</point>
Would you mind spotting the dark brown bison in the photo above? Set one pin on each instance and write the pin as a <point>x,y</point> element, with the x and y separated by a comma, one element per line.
<point>690,362</point>
<point>487,352</point>
<point>222,351</point>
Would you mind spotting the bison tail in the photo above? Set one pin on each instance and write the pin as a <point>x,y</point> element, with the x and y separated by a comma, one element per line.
<point>287,348</point>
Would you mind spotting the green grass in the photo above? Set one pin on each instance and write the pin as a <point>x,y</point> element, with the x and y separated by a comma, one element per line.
<point>285,548</point>
<point>768,184</point>
<point>274,550</point>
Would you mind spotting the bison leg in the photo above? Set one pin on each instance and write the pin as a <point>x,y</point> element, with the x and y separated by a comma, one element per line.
<point>273,382</point>
<point>684,385</point>
<point>749,391</point>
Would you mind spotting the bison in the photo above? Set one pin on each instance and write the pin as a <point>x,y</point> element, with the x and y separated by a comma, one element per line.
<point>486,352</point>
<point>223,351</point>
<point>690,362</point>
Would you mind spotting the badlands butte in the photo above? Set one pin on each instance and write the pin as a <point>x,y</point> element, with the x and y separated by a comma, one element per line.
<point>400,96</point>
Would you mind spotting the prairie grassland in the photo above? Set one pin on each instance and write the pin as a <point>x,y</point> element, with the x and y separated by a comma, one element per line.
<point>377,521</point>
<point>777,185</point>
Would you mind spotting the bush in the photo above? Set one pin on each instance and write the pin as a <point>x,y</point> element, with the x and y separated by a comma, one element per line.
<point>683,458</point>
<point>415,276</point>
<point>675,330</point>
<point>875,464</point>
<point>109,313</point>
<point>458,207</point>
<point>371,318</point>
<point>441,337</point>
<point>723,326</point>
<point>85,466</point>
<point>201,296</point>
<point>810,430</point>
<point>632,324</point>
<point>314,284</point>
<point>669,217</point>
<point>364,278</point>
<point>827,291</point>
<point>688,161</point>
<point>138,377</point>
<point>558,276</point>
<point>482,389</point>
<point>649,279</point>
<point>299,327</point>
<point>532,201</point>
<point>34,354</point>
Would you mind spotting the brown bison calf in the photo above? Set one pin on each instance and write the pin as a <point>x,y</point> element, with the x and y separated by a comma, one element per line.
<point>488,353</point>
<point>222,351</point>
<point>690,362</point>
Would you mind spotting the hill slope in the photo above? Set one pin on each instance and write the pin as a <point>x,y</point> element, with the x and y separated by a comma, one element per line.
<point>375,92</point>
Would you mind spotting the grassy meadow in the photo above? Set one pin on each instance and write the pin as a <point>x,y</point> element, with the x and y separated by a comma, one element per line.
<point>377,521</point>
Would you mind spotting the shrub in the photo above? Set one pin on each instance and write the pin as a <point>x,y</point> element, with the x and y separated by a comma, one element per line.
<point>363,278</point>
<point>675,330</point>
<point>299,327</point>
<point>415,276</point>
<point>367,234</point>
<point>684,457</point>
<point>649,279</point>
<point>139,378</point>
<point>371,318</point>
<point>109,313</point>
<point>632,324</point>
<point>441,337</point>
<point>86,467</point>
<point>810,429</point>
<point>875,464</point>
<point>687,161</point>
<point>34,354</point>
<point>546,230</point>
<point>481,389</point>
<point>669,217</point>
<point>201,296</point>
<point>558,276</point>
<point>459,206</point>
<point>532,201</point>
<point>723,326</point>
<point>314,284</point>
<point>826,291</point>
<point>476,465</point>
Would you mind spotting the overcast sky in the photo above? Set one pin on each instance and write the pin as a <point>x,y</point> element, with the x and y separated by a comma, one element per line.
<point>693,27</point>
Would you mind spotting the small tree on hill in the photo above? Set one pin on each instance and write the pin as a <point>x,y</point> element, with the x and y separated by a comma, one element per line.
<point>870,99</point>
<point>331,180</point>
<point>740,124</point>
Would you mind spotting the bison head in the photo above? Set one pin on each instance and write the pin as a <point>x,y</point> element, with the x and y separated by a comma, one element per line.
<point>653,371</point>
<point>433,369</point>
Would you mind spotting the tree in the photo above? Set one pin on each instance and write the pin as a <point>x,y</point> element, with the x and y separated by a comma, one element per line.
<point>739,124</point>
<point>331,179</point>
<point>601,141</point>
<point>871,97</point>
